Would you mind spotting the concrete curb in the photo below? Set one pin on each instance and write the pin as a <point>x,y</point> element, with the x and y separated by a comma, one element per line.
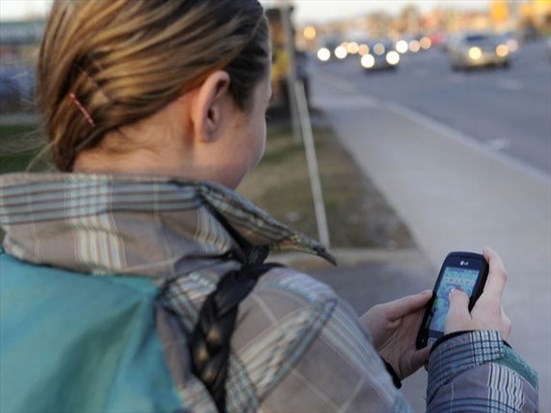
<point>346,258</point>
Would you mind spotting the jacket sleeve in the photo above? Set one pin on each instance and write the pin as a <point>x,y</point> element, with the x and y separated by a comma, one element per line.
<point>477,371</point>
<point>298,348</point>
<point>339,372</point>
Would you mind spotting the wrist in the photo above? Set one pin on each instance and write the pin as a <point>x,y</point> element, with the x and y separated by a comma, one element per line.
<point>447,337</point>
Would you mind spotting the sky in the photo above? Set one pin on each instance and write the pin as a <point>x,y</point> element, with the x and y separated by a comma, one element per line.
<point>17,9</point>
<point>317,11</point>
<point>314,11</point>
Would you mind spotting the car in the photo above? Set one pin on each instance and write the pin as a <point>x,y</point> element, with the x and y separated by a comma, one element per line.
<point>16,87</point>
<point>471,50</point>
<point>380,55</point>
<point>9,90</point>
<point>331,49</point>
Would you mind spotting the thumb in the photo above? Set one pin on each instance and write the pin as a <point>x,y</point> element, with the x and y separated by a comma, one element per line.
<point>458,315</point>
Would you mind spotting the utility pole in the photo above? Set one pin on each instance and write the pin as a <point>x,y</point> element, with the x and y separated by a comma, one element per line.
<point>302,126</point>
<point>287,25</point>
<point>312,163</point>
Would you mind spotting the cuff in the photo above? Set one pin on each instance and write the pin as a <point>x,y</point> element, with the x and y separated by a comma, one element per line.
<point>470,349</point>
<point>452,335</point>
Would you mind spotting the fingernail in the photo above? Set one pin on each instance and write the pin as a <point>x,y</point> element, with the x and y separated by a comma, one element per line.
<point>454,290</point>
<point>426,292</point>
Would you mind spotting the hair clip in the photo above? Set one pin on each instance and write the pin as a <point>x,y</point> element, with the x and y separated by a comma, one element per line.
<point>82,110</point>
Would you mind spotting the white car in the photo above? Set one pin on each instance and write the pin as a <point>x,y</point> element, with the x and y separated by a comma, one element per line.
<point>472,50</point>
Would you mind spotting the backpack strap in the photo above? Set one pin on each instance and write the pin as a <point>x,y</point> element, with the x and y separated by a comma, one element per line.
<point>210,339</point>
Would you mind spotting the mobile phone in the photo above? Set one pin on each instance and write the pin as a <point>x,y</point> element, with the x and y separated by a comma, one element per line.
<point>464,270</point>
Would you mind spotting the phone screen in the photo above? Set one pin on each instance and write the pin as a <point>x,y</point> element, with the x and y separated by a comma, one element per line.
<point>453,277</point>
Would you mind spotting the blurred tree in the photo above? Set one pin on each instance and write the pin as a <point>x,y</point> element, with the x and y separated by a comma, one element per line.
<point>410,17</point>
<point>379,23</point>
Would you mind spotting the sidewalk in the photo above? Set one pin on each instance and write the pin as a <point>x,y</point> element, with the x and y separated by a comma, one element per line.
<point>454,195</point>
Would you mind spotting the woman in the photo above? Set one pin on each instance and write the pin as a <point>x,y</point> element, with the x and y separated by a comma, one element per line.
<point>154,111</point>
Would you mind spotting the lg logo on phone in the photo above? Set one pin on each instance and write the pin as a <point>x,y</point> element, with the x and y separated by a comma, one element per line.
<point>464,263</point>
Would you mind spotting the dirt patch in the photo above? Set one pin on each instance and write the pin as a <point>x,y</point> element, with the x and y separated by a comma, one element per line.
<point>358,216</point>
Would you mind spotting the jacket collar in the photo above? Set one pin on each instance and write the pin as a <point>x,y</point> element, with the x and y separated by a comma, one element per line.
<point>143,225</point>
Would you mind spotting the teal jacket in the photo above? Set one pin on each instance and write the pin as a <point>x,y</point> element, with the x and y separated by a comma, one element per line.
<point>108,357</point>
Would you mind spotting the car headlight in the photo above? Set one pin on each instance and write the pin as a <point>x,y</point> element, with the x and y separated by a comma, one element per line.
<point>363,49</point>
<point>368,61</point>
<point>352,48</point>
<point>392,58</point>
<point>502,50</point>
<point>340,52</point>
<point>414,46</point>
<point>475,53</point>
<point>379,49</point>
<point>324,54</point>
<point>425,43</point>
<point>402,46</point>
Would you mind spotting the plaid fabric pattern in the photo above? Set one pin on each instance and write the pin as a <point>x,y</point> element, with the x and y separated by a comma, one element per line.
<point>485,346</point>
<point>296,346</point>
<point>481,374</point>
<point>188,218</point>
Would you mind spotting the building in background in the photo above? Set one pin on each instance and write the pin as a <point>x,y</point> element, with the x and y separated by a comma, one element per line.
<point>529,18</point>
<point>535,18</point>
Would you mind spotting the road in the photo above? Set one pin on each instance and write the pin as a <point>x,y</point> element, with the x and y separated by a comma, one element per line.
<point>461,176</point>
<point>507,110</point>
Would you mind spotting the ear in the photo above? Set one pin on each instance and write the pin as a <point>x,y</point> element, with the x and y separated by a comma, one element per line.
<point>211,106</point>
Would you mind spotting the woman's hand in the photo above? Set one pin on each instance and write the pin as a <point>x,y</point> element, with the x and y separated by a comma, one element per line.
<point>487,313</point>
<point>394,327</point>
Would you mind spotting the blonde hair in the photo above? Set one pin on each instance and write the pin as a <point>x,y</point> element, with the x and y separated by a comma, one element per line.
<point>107,64</point>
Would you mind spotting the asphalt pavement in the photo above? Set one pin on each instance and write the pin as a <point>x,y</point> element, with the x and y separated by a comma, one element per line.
<point>506,110</point>
<point>454,193</point>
